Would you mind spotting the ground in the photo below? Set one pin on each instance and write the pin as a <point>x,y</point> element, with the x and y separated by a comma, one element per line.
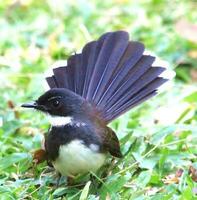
<point>157,138</point>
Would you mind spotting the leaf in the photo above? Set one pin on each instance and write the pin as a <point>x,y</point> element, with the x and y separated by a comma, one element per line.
<point>85,191</point>
<point>187,194</point>
<point>9,160</point>
<point>59,191</point>
<point>144,178</point>
<point>145,163</point>
<point>192,98</point>
<point>155,178</point>
<point>113,185</point>
<point>159,136</point>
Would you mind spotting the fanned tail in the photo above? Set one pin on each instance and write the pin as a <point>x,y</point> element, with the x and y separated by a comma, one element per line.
<point>112,73</point>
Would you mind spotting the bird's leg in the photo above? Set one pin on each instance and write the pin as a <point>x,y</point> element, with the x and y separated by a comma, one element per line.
<point>107,168</point>
<point>58,179</point>
<point>93,180</point>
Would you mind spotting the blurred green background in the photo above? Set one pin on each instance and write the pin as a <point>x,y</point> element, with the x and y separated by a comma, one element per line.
<point>158,137</point>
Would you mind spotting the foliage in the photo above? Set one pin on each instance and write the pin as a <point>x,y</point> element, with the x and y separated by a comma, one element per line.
<point>158,138</point>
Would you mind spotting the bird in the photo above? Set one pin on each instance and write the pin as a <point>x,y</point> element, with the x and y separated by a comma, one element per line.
<point>109,77</point>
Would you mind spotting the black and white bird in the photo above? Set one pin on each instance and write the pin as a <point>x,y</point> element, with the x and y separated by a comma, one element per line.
<point>109,77</point>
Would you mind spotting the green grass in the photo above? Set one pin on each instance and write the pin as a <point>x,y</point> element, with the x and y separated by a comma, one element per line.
<point>158,138</point>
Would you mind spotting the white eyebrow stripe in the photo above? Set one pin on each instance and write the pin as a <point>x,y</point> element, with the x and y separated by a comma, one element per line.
<point>56,97</point>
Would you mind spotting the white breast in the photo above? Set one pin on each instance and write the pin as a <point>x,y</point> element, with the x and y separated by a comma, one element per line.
<point>76,158</point>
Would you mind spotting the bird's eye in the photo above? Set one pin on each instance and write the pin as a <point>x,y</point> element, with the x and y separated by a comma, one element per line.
<point>56,103</point>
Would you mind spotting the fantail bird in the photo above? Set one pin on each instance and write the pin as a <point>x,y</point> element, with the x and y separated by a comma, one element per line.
<point>109,77</point>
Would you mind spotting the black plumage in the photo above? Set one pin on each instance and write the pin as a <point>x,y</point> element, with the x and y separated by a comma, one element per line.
<point>91,133</point>
<point>112,73</point>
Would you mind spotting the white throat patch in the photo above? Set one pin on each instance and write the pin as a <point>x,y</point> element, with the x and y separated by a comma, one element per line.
<point>60,120</point>
<point>63,121</point>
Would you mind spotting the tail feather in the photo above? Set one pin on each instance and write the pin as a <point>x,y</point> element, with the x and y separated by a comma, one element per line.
<point>94,50</point>
<point>62,80</point>
<point>61,77</point>
<point>92,57</point>
<point>132,54</point>
<point>71,73</point>
<point>116,55</point>
<point>141,96</point>
<point>130,57</point>
<point>51,82</point>
<point>72,64</point>
<point>109,116</point>
<point>109,56</point>
<point>125,78</point>
<point>128,91</point>
<point>112,73</point>
<point>135,96</point>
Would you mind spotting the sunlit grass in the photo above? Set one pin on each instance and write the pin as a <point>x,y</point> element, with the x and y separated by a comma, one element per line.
<point>157,138</point>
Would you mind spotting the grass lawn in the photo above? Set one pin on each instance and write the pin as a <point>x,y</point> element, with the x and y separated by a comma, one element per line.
<point>158,138</point>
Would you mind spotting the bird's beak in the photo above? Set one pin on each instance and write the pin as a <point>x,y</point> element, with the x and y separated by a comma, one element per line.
<point>30,105</point>
<point>35,106</point>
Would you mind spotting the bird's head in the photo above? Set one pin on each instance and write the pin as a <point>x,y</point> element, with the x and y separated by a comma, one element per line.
<point>58,102</point>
